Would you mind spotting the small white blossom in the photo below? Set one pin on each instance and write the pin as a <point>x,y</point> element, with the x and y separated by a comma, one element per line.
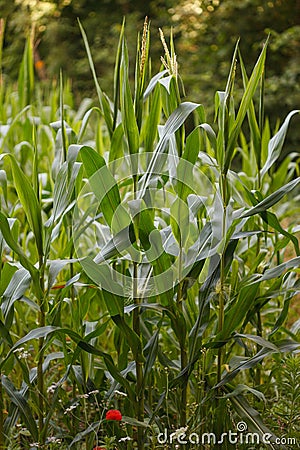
<point>51,389</point>
<point>67,410</point>
<point>54,440</point>
<point>120,393</point>
<point>126,438</point>
<point>83,396</point>
<point>23,354</point>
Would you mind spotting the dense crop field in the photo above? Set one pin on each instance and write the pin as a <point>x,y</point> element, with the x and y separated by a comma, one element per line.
<point>149,264</point>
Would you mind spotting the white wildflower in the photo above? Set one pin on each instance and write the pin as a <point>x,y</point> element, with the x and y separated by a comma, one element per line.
<point>67,410</point>
<point>120,393</point>
<point>126,438</point>
<point>51,389</point>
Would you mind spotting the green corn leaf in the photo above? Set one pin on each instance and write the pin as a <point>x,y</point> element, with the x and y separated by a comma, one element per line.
<point>114,304</point>
<point>117,143</point>
<point>255,132</point>
<point>7,235</point>
<point>115,373</point>
<point>104,186</point>
<point>103,101</point>
<point>151,241</point>
<point>92,428</point>
<point>20,401</point>
<point>276,143</point>
<point>166,82</point>
<point>134,422</point>
<point>249,362</point>
<point>28,200</point>
<point>17,287</point>
<point>97,332</point>
<point>150,352</point>
<point>240,388</point>
<point>235,315</point>
<point>117,244</point>
<point>224,111</point>
<point>272,220</point>
<point>63,191</point>
<point>127,109</point>
<point>102,275</point>
<point>14,124</point>
<point>180,221</point>
<point>245,411</point>
<point>5,335</point>
<point>117,86</point>
<point>258,340</point>
<point>36,333</point>
<point>85,121</point>
<point>132,338</point>
<point>286,308</point>
<point>3,184</point>
<point>277,271</point>
<point>26,75</point>
<point>272,199</point>
<point>244,107</point>
<point>153,82</point>
<point>174,122</point>
<point>150,131</point>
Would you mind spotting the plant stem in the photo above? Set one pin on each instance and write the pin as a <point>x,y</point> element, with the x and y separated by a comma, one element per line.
<point>183,410</point>
<point>138,360</point>
<point>221,317</point>
<point>40,374</point>
<point>258,347</point>
<point>139,365</point>
<point>40,380</point>
<point>183,351</point>
<point>222,277</point>
<point>2,436</point>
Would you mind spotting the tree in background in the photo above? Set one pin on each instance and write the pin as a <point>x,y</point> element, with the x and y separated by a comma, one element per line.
<point>207,31</point>
<point>58,38</point>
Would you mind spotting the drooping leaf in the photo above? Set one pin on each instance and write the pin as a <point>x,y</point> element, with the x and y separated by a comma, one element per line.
<point>7,234</point>
<point>21,402</point>
<point>276,143</point>
<point>272,199</point>
<point>174,122</point>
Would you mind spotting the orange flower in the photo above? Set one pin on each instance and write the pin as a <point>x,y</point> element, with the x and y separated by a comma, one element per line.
<point>39,65</point>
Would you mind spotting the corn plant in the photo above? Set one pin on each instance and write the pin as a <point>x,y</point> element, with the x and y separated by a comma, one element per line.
<point>143,265</point>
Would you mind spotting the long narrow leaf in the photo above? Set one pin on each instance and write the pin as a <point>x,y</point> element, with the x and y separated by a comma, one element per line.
<point>244,106</point>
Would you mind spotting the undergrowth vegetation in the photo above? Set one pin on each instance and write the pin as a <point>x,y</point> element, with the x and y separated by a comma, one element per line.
<point>148,263</point>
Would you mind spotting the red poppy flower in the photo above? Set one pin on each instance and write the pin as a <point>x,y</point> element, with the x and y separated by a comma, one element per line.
<point>113,414</point>
<point>98,448</point>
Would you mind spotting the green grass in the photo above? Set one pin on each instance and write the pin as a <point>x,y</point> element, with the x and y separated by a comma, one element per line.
<point>144,267</point>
